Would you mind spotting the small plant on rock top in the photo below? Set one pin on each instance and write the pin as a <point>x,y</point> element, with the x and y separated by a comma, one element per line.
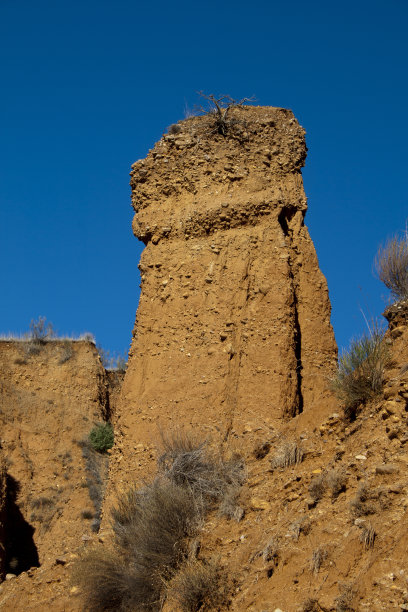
<point>101,437</point>
<point>218,111</point>
<point>40,330</point>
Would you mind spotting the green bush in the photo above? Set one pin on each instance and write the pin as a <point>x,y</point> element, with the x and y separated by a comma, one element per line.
<point>101,437</point>
<point>360,370</point>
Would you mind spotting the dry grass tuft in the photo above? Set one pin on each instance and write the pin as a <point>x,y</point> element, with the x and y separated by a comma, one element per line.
<point>110,583</point>
<point>368,536</point>
<point>360,371</point>
<point>303,525</point>
<point>289,453</point>
<point>154,522</point>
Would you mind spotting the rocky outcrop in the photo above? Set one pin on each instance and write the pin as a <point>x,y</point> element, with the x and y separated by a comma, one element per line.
<point>233,322</point>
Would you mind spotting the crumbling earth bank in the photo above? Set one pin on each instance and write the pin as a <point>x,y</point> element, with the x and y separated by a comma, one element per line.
<point>51,395</point>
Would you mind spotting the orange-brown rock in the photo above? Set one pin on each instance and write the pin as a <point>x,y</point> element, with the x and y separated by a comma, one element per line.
<point>233,325</point>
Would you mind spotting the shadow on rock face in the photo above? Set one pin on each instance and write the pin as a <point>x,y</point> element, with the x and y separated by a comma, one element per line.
<point>21,551</point>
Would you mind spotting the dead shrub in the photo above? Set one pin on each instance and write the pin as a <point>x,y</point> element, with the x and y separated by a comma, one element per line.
<point>311,605</point>
<point>289,453</point>
<point>366,501</point>
<point>41,331</point>
<point>391,264</point>
<point>229,505</point>
<point>200,586</point>
<point>271,551</point>
<point>219,115</point>
<point>343,601</point>
<point>43,512</point>
<point>336,480</point>
<point>152,528</point>
<point>317,487</point>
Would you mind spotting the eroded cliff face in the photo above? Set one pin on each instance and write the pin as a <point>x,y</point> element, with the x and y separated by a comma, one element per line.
<point>234,317</point>
<point>51,395</point>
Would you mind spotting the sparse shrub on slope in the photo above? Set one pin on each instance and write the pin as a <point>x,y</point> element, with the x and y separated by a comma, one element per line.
<point>360,370</point>
<point>152,527</point>
<point>391,264</point>
<point>153,522</point>
<point>110,583</point>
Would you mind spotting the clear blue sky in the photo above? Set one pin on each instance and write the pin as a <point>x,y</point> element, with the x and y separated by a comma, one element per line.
<point>88,86</point>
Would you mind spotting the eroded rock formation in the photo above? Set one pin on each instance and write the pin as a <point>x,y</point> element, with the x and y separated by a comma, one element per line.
<point>234,316</point>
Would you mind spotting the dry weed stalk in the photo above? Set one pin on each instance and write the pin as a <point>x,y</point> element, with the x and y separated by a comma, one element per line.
<point>318,557</point>
<point>367,536</point>
<point>289,453</point>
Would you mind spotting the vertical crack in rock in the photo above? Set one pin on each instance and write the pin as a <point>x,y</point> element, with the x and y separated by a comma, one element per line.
<point>236,349</point>
<point>298,351</point>
<point>285,217</point>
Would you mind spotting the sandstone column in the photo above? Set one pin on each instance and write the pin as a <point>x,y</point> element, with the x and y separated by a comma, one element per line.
<point>234,315</point>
